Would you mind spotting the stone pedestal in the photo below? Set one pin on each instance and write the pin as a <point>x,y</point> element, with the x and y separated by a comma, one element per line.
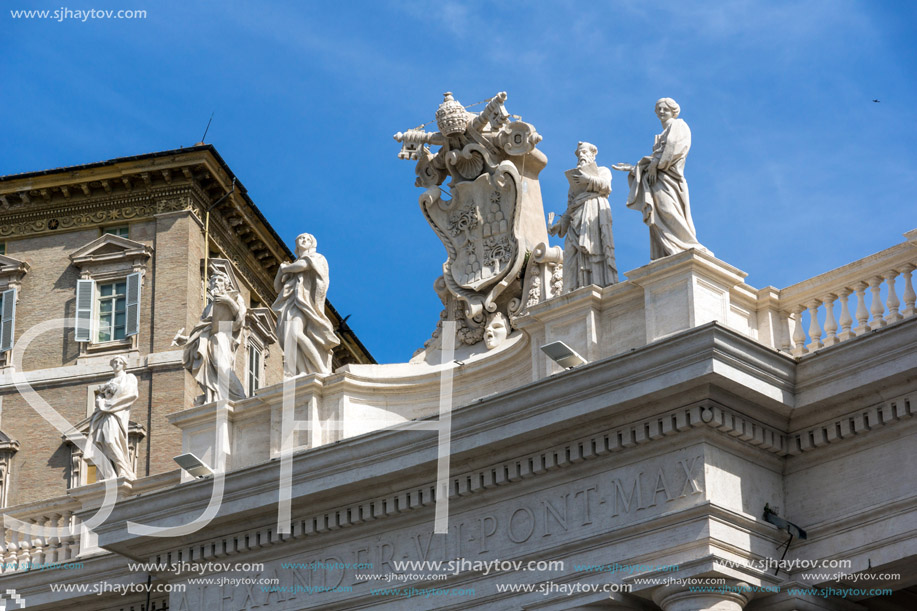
<point>92,498</point>
<point>690,289</point>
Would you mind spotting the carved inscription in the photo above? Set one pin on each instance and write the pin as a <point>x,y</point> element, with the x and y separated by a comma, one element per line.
<point>591,506</point>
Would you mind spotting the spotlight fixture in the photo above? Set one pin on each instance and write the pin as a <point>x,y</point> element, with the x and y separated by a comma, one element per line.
<point>563,355</point>
<point>193,465</point>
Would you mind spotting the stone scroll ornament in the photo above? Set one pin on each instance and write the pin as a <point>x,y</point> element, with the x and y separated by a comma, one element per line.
<point>490,217</point>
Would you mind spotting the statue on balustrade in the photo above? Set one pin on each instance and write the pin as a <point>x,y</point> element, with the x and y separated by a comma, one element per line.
<point>488,219</point>
<point>305,332</point>
<point>589,248</point>
<point>109,422</point>
<point>658,187</point>
<point>210,348</point>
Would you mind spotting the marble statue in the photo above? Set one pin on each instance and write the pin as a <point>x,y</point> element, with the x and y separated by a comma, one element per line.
<point>490,217</point>
<point>589,248</point>
<point>109,422</point>
<point>209,349</point>
<point>658,187</point>
<point>305,332</point>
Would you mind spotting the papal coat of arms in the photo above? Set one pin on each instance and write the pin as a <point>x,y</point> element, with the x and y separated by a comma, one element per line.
<point>490,218</point>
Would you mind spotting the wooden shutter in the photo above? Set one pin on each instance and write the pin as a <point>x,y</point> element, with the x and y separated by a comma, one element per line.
<point>85,296</point>
<point>132,326</point>
<point>7,319</point>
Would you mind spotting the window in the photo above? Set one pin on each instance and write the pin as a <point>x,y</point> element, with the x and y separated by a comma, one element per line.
<point>7,319</point>
<point>8,447</point>
<point>120,230</point>
<point>12,272</point>
<point>112,311</point>
<point>107,311</point>
<point>2,248</point>
<point>255,368</point>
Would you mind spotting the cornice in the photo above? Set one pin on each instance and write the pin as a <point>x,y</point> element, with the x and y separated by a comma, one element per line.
<point>93,212</point>
<point>853,424</point>
<point>524,415</point>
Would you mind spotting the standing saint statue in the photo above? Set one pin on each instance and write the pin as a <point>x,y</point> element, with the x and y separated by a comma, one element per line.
<point>589,248</point>
<point>211,346</point>
<point>305,332</point>
<point>109,422</point>
<point>658,187</point>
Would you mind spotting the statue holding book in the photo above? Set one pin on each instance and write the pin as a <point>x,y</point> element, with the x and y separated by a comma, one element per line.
<point>589,249</point>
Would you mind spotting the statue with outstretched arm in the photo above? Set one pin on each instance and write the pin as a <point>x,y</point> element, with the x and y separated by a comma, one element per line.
<point>658,187</point>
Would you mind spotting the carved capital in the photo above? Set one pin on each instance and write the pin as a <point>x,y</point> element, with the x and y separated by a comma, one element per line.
<point>731,596</point>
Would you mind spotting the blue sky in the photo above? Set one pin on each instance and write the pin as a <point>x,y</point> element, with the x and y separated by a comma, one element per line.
<point>793,169</point>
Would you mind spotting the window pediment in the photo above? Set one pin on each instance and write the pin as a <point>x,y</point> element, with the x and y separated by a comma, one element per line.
<point>12,271</point>
<point>8,446</point>
<point>109,253</point>
<point>261,322</point>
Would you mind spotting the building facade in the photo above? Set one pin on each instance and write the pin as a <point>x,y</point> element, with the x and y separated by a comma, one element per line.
<point>109,258</point>
<point>721,447</point>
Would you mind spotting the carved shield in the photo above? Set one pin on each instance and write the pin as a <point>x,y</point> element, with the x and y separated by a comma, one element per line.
<point>479,227</point>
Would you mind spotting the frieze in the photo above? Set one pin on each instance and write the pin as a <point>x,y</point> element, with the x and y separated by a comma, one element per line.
<point>93,213</point>
<point>706,414</point>
<point>511,528</point>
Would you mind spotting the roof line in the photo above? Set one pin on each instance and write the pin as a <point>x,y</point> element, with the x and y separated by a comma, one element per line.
<point>190,149</point>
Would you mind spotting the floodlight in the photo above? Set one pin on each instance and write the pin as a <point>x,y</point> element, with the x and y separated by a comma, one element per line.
<point>193,465</point>
<point>563,355</point>
<point>794,530</point>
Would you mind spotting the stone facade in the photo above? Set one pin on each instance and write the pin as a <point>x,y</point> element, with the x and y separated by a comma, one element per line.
<point>161,200</point>
<point>717,438</point>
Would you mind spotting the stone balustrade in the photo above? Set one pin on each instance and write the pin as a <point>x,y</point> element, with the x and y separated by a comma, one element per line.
<point>849,301</point>
<point>40,547</point>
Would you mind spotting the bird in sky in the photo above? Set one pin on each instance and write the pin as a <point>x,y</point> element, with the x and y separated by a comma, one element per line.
<point>876,101</point>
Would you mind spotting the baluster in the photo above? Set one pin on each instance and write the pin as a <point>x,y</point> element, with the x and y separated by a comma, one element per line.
<point>830,323</point>
<point>66,540</point>
<point>3,548</point>
<point>62,525</point>
<point>783,334</point>
<point>799,336</point>
<point>74,536</point>
<point>12,555</point>
<point>862,313</point>
<point>36,556</point>
<point>846,320</point>
<point>814,327</point>
<point>910,297</point>
<point>891,300</point>
<point>876,307</point>
<point>25,548</point>
<point>52,553</point>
